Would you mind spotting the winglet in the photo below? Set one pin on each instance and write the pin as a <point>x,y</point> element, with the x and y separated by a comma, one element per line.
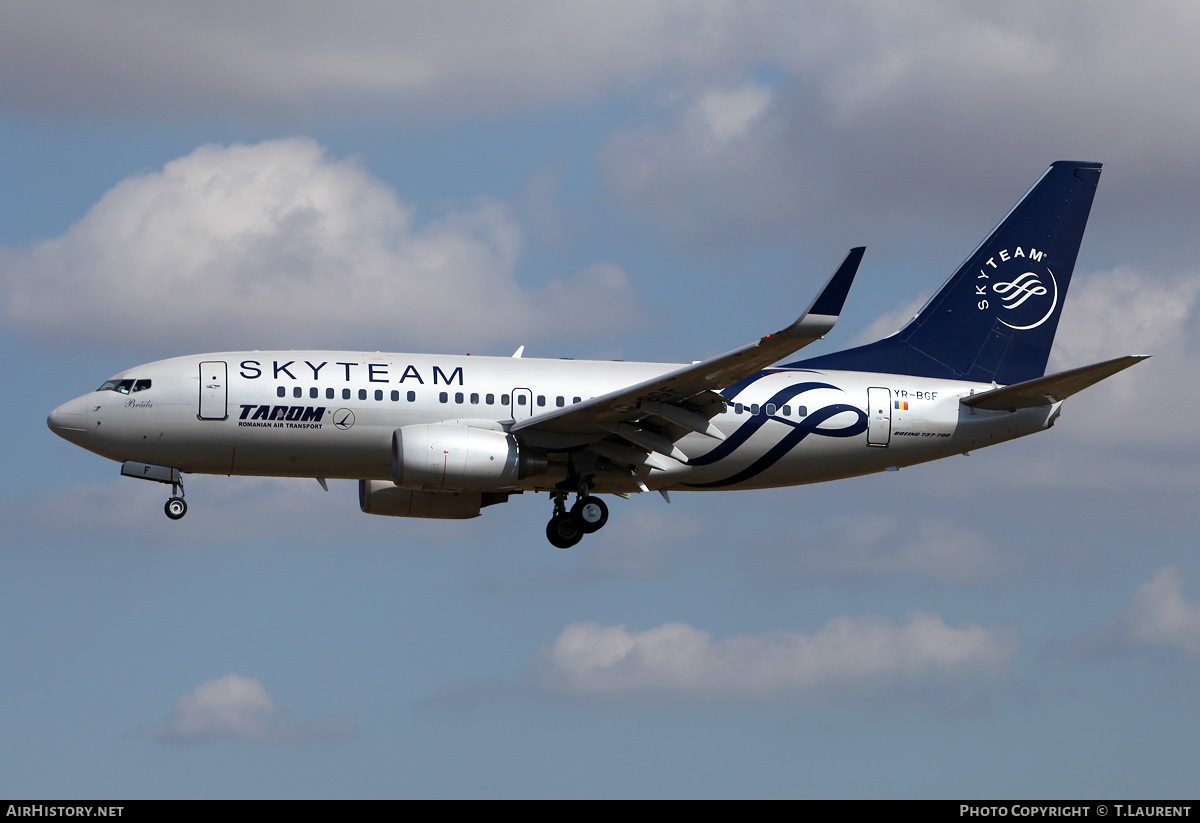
<point>821,316</point>
<point>831,299</point>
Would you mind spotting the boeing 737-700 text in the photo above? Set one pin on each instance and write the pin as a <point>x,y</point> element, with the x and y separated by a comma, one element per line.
<point>444,436</point>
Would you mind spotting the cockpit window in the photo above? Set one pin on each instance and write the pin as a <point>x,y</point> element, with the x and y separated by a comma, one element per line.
<point>120,386</point>
<point>125,386</point>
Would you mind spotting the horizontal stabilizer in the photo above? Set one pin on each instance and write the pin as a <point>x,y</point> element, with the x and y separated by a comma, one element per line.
<point>1046,391</point>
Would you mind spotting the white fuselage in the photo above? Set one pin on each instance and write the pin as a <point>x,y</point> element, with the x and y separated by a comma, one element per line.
<point>333,414</point>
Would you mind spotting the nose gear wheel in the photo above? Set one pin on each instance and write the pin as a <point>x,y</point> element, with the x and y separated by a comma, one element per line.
<point>175,508</point>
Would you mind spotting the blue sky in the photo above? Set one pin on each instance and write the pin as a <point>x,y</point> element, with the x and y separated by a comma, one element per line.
<point>644,180</point>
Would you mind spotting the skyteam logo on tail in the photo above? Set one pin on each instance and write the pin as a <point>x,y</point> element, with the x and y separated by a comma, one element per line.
<point>1023,291</point>
<point>1018,291</point>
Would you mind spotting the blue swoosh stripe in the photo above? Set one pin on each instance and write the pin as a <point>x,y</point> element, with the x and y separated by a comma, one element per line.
<point>745,431</point>
<point>799,431</point>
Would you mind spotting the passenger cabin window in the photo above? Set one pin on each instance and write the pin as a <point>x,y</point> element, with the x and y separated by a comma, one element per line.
<point>379,394</point>
<point>329,394</point>
<point>443,397</point>
<point>412,397</point>
<point>541,399</point>
<point>474,399</point>
<point>458,397</point>
<point>560,401</point>
<point>345,394</point>
<point>362,394</point>
<point>313,392</point>
<point>297,392</point>
<point>490,399</point>
<point>281,391</point>
<point>504,400</point>
<point>770,408</point>
<point>395,396</point>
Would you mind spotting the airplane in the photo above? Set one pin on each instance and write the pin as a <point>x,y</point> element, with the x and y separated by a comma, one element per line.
<point>443,436</point>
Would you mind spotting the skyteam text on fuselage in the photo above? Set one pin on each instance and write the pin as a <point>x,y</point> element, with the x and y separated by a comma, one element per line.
<point>444,436</point>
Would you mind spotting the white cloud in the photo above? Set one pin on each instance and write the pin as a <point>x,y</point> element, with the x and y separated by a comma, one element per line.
<point>723,116</point>
<point>279,245</point>
<point>876,545</point>
<point>1132,311</point>
<point>1157,618</point>
<point>139,56</point>
<point>852,657</point>
<point>912,115</point>
<point>240,708</point>
<point>890,322</point>
<point>717,161</point>
<point>1125,311</point>
<point>902,113</point>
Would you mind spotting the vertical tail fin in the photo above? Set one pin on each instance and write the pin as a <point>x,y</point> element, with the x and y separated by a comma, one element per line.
<point>994,320</point>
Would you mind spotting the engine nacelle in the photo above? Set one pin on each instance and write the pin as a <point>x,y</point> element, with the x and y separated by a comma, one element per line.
<point>448,457</point>
<point>382,497</point>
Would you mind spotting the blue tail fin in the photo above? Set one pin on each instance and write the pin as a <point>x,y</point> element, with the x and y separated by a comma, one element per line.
<point>995,319</point>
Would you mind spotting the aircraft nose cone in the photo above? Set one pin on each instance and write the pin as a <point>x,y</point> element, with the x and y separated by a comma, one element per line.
<point>69,421</point>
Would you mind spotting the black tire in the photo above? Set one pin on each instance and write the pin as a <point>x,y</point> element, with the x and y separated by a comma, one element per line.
<point>175,508</point>
<point>563,532</point>
<point>590,514</point>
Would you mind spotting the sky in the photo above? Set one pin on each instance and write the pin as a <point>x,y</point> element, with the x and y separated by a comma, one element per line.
<point>649,180</point>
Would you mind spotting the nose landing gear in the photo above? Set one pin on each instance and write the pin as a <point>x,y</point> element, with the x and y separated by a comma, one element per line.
<point>176,507</point>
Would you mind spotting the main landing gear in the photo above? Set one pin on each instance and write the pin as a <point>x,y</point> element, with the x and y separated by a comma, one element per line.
<point>566,528</point>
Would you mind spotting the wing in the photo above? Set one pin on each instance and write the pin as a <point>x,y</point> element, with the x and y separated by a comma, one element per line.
<point>672,405</point>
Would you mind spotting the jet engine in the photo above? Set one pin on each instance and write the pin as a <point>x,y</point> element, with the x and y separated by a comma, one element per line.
<point>447,457</point>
